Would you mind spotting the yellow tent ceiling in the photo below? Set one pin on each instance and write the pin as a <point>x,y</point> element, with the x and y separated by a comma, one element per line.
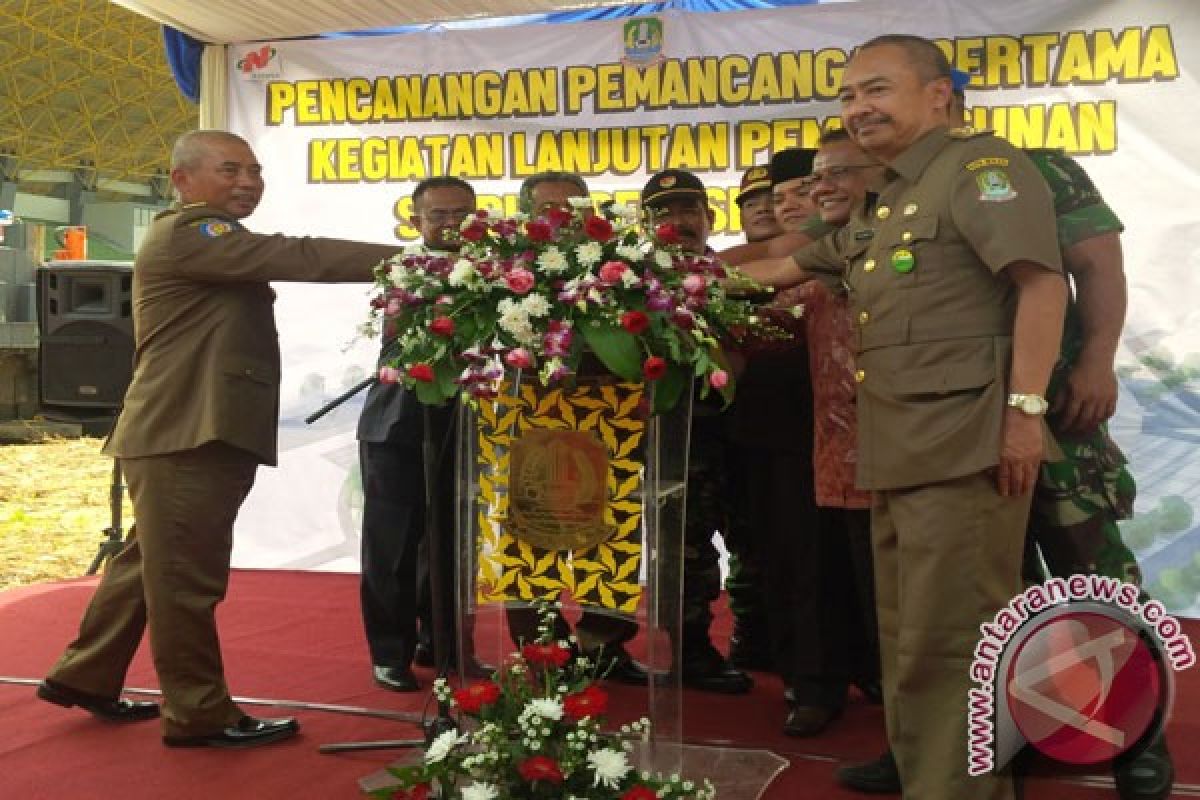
<point>224,21</point>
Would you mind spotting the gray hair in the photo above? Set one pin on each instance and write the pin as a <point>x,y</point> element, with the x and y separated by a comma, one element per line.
<point>525,199</point>
<point>191,147</point>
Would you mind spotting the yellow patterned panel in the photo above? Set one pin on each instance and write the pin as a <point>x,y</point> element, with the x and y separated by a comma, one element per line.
<point>514,564</point>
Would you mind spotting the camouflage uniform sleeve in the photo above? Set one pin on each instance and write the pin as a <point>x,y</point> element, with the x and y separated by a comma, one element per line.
<point>1079,208</point>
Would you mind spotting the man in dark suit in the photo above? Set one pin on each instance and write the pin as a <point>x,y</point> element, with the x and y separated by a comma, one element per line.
<point>200,415</point>
<point>395,586</point>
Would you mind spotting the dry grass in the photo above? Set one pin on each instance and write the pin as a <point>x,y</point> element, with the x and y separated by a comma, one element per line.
<point>54,507</point>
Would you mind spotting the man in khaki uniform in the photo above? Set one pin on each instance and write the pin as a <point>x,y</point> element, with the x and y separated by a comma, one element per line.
<point>957,292</point>
<point>199,416</point>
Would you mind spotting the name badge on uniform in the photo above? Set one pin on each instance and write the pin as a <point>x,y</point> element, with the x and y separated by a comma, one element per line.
<point>864,234</point>
<point>903,261</point>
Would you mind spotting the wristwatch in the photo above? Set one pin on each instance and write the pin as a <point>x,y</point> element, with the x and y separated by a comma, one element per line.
<point>1032,404</point>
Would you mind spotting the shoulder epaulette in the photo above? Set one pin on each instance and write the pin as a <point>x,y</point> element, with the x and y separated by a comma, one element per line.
<point>967,132</point>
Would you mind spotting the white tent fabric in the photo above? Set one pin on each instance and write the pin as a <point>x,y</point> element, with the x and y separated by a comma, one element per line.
<point>227,21</point>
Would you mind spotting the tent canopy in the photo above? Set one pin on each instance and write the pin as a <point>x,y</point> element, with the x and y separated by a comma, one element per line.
<point>228,21</point>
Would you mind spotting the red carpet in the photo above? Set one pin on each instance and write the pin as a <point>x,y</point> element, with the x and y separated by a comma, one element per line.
<point>296,636</point>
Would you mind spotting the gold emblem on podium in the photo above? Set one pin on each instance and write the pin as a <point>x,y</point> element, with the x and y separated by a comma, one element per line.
<point>557,490</point>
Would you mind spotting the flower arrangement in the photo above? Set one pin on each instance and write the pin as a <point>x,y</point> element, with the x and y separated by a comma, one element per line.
<point>535,730</point>
<point>536,294</point>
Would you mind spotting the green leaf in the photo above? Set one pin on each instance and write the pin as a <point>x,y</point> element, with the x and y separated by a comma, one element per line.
<point>669,388</point>
<point>442,387</point>
<point>616,348</point>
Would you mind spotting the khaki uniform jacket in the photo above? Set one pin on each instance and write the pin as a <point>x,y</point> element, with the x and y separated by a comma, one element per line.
<point>206,363</point>
<point>932,305</point>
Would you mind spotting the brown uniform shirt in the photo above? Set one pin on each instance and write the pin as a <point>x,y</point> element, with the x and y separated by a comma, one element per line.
<point>206,364</point>
<point>932,304</point>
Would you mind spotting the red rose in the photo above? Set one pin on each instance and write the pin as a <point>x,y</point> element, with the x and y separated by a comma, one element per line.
<point>474,697</point>
<point>539,231</point>
<point>546,654</point>
<point>540,768</point>
<point>667,233</point>
<point>442,326</point>
<point>418,792</point>
<point>474,231</point>
<point>598,228</point>
<point>654,368</point>
<point>557,217</point>
<point>634,321</point>
<point>591,702</point>
<point>640,792</point>
<point>421,372</point>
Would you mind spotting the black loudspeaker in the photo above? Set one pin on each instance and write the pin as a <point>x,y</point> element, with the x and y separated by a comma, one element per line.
<point>85,322</point>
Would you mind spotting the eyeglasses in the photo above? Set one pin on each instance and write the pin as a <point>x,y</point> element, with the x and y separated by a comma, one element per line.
<point>439,215</point>
<point>836,174</point>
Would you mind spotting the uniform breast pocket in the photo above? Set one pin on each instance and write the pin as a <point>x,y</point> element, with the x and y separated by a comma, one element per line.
<point>911,252</point>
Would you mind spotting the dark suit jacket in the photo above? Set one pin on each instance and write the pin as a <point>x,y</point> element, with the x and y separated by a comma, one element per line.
<point>206,364</point>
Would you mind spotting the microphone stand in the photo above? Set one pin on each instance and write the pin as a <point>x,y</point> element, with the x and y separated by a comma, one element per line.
<point>433,457</point>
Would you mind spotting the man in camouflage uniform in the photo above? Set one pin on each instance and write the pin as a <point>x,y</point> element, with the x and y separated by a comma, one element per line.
<point>1079,500</point>
<point>678,197</point>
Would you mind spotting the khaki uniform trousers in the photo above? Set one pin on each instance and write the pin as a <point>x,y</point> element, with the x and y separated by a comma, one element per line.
<point>171,575</point>
<point>947,558</point>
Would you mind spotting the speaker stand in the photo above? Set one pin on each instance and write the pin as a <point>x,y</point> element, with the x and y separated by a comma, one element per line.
<point>114,535</point>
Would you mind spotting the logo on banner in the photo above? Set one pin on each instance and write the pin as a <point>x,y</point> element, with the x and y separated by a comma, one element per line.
<point>263,62</point>
<point>1079,668</point>
<point>643,38</point>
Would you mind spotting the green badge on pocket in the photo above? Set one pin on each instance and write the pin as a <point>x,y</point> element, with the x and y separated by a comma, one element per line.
<point>903,261</point>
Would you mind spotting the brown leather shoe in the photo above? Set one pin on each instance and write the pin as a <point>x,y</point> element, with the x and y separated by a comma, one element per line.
<point>109,709</point>
<point>247,732</point>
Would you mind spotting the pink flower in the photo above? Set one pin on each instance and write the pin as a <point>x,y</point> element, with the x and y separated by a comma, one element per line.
<point>389,375</point>
<point>598,228</point>
<point>718,379</point>
<point>634,321</point>
<point>520,280</point>
<point>654,368</point>
<point>611,272</point>
<point>695,284</point>
<point>442,326</point>
<point>518,358</point>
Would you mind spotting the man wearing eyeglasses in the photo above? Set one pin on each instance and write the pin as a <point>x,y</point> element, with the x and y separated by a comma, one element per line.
<point>395,590</point>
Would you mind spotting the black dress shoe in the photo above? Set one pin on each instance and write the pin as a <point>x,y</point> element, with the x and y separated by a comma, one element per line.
<point>423,655</point>
<point>749,650</point>
<point>619,667</point>
<point>247,732</point>
<point>1148,775</point>
<point>715,675</point>
<point>108,709</point>
<point>398,679</point>
<point>809,720</point>
<point>875,777</point>
<point>872,690</point>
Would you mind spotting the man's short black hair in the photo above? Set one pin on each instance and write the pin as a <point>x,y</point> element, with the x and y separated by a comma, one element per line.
<point>440,182</point>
